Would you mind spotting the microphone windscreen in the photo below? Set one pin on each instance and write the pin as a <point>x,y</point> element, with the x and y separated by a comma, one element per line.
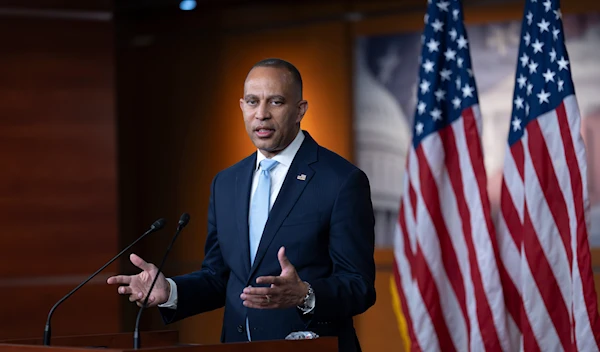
<point>184,219</point>
<point>159,224</point>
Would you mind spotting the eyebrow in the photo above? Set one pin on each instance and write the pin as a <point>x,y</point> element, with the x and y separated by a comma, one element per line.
<point>271,97</point>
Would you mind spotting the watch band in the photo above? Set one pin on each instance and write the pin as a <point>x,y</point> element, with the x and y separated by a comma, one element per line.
<point>309,300</point>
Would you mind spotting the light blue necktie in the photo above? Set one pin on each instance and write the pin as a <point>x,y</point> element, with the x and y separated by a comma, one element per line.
<point>259,208</point>
<point>259,213</point>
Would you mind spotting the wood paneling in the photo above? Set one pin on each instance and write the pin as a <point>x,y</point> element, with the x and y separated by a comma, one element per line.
<point>90,310</point>
<point>325,344</point>
<point>377,328</point>
<point>168,139</point>
<point>58,180</point>
<point>54,5</point>
<point>110,340</point>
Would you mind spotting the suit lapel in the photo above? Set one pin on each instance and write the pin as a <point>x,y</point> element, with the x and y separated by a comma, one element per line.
<point>298,176</point>
<point>243,185</point>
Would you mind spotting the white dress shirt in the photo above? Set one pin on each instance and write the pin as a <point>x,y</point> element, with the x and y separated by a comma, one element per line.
<point>278,173</point>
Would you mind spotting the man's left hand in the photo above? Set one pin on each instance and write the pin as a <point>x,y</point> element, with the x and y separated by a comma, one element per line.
<point>287,290</point>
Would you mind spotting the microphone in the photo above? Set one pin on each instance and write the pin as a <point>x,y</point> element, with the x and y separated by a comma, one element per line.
<point>183,221</point>
<point>157,225</point>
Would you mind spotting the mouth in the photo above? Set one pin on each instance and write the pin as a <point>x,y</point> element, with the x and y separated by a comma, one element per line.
<point>264,132</point>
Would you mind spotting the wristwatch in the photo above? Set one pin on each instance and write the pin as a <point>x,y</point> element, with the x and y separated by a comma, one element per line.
<point>309,300</point>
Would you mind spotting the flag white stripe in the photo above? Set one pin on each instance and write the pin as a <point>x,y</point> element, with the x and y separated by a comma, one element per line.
<point>514,183</point>
<point>553,139</point>
<point>510,252</point>
<point>574,118</point>
<point>480,235</point>
<point>453,217</point>
<point>546,230</point>
<point>543,329</point>
<point>412,180</point>
<point>422,325</point>
<point>428,239</point>
<point>583,330</point>
<point>433,151</point>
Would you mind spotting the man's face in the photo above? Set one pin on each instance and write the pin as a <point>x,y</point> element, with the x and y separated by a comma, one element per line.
<point>272,109</point>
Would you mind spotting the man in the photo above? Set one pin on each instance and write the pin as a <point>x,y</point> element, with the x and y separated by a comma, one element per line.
<point>310,266</point>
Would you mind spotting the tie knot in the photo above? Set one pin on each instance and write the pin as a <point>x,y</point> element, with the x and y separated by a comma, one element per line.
<point>268,164</point>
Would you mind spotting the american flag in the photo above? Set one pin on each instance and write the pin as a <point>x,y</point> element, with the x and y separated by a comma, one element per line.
<point>542,232</point>
<point>446,255</point>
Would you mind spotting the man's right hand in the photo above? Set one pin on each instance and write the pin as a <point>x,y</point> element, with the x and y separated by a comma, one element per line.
<point>137,286</point>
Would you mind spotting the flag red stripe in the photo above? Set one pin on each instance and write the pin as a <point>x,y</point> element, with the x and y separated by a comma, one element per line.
<point>510,215</point>
<point>427,285</point>
<point>515,307</point>
<point>431,298</point>
<point>476,154</point>
<point>413,200</point>
<point>546,175</point>
<point>583,250</point>
<point>538,262</point>
<point>487,325</point>
<point>518,155</point>
<point>410,257</point>
<point>484,313</point>
<point>547,285</point>
<point>454,173</point>
<point>431,199</point>
<point>414,344</point>
<point>514,304</point>
<point>511,296</point>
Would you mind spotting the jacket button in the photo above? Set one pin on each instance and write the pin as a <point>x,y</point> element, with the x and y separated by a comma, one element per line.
<point>240,328</point>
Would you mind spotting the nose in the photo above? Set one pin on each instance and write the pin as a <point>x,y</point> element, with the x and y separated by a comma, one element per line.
<point>262,111</point>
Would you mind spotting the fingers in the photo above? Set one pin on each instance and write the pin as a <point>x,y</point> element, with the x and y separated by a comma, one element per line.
<point>125,290</point>
<point>135,296</point>
<point>272,280</point>
<point>136,286</point>
<point>260,291</point>
<point>119,279</point>
<point>140,263</point>
<point>259,301</point>
<point>139,299</point>
<point>261,296</point>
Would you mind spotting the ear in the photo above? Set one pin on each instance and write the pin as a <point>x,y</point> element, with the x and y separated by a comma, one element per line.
<point>242,104</point>
<point>302,107</point>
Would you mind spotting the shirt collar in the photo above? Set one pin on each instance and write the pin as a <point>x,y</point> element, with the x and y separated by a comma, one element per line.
<point>287,155</point>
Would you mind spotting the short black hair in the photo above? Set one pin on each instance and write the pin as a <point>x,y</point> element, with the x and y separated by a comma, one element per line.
<point>280,63</point>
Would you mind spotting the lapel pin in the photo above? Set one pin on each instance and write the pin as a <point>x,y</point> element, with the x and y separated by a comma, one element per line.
<point>301,177</point>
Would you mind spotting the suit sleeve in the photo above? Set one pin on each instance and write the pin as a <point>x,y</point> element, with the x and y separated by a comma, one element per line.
<point>350,289</point>
<point>202,290</point>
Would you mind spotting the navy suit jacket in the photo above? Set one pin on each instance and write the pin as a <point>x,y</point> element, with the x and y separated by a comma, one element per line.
<point>326,224</point>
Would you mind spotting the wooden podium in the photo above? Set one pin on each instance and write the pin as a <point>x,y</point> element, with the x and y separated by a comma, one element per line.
<point>161,341</point>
